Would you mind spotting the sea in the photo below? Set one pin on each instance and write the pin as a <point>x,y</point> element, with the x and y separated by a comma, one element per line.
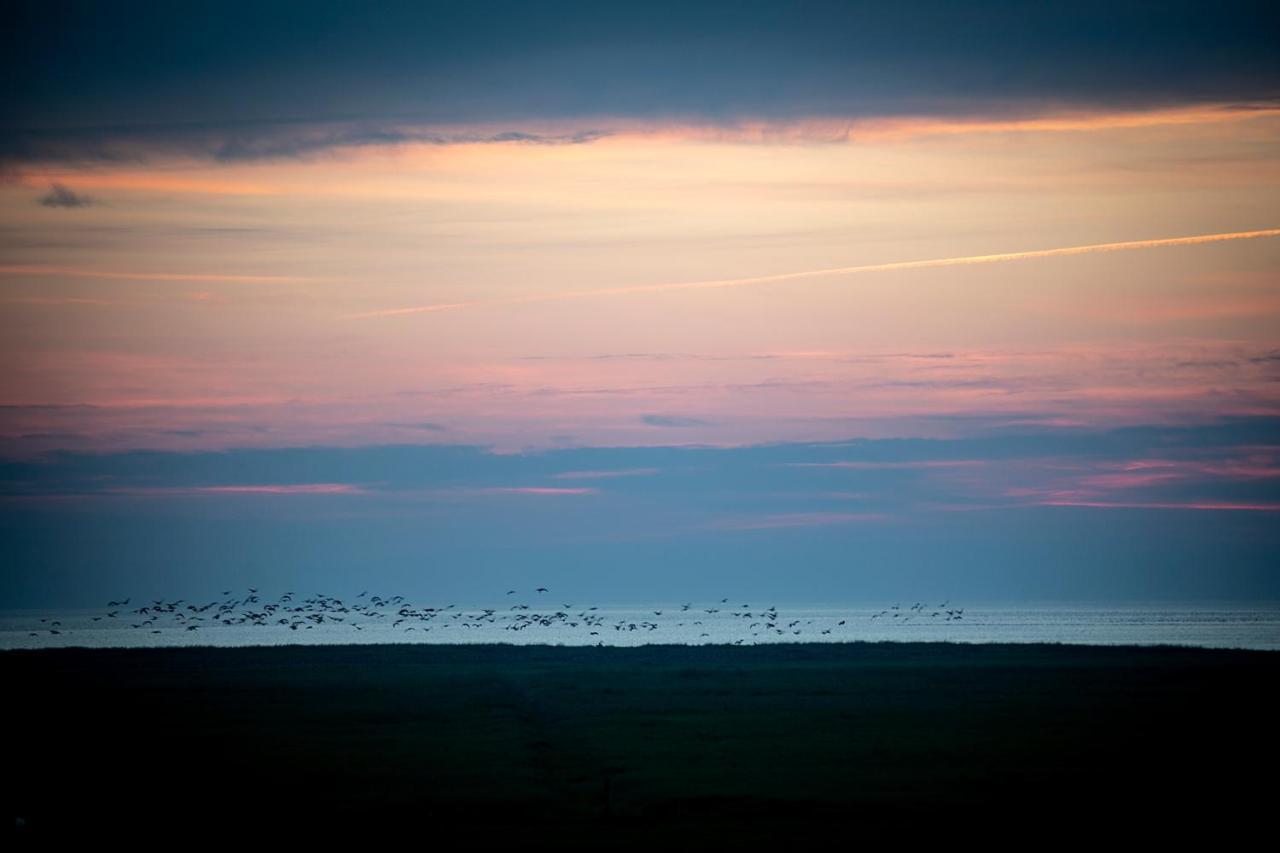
<point>315,622</point>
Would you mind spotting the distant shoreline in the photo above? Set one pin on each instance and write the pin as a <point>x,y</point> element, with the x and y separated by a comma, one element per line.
<point>729,647</point>
<point>800,649</point>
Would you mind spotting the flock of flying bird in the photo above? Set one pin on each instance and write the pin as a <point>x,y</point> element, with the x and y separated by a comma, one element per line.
<point>293,613</point>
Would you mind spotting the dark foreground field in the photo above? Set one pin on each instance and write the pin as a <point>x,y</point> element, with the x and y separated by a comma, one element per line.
<point>610,746</point>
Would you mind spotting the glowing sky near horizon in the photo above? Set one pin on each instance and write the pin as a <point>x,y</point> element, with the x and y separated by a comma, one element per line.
<point>525,241</point>
<point>243,305</point>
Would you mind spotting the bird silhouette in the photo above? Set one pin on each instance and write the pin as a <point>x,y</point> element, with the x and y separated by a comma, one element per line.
<point>370,613</point>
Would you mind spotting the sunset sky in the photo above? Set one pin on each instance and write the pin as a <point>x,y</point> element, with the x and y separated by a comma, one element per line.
<point>825,301</point>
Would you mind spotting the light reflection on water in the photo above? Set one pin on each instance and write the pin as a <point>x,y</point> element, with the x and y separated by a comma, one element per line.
<point>1220,626</point>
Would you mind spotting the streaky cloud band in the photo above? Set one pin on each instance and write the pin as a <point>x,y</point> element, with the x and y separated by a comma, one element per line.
<point>81,272</point>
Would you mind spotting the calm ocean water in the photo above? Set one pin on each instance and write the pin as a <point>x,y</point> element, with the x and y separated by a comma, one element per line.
<point>1221,626</point>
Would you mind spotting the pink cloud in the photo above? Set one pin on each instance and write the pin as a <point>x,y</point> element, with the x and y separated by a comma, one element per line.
<point>532,490</point>
<point>1127,480</point>
<point>290,489</point>
<point>108,399</point>
<point>1215,506</point>
<point>601,475</point>
<point>1253,467</point>
<point>1141,473</point>
<point>875,466</point>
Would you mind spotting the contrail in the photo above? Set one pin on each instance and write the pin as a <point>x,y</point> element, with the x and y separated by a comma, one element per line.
<point>868,268</point>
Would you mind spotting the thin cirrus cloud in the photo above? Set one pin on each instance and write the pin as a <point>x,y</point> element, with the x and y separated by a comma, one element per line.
<point>317,490</point>
<point>673,421</point>
<point>886,466</point>
<point>536,491</point>
<point>1241,480</point>
<point>270,490</point>
<point>1209,506</point>
<point>127,275</point>
<point>606,475</point>
<point>786,520</point>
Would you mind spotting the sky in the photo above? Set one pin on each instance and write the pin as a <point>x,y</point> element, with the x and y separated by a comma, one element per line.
<point>642,301</point>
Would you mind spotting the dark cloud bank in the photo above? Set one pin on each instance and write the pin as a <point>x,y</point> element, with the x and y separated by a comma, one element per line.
<point>245,80</point>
